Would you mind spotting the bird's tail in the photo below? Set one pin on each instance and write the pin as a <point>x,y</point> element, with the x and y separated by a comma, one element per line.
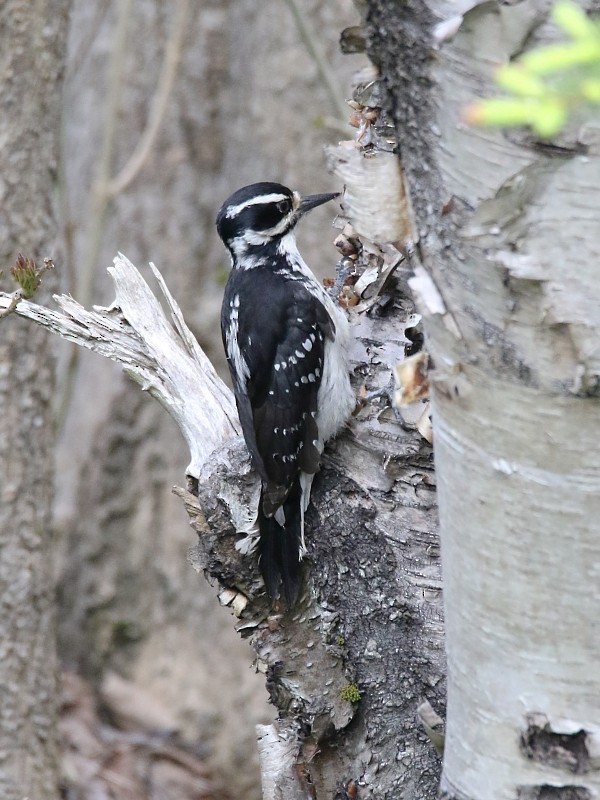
<point>280,547</point>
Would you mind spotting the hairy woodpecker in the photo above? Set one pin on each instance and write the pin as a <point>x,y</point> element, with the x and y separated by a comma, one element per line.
<point>285,342</point>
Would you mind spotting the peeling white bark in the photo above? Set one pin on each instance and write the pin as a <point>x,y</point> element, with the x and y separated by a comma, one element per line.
<point>521,560</point>
<point>519,492</point>
<point>509,251</point>
<point>278,765</point>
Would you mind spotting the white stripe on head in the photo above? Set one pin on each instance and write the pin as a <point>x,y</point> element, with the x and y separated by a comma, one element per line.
<point>276,197</point>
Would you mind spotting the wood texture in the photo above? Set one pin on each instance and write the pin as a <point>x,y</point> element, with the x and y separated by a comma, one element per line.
<point>32,45</point>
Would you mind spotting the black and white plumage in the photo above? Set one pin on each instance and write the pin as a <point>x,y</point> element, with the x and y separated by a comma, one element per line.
<point>285,342</point>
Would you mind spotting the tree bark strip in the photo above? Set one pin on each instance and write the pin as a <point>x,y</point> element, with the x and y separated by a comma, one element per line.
<point>507,232</point>
<point>32,48</point>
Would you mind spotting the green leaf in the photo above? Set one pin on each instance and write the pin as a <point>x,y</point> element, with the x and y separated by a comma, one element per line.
<point>549,83</point>
<point>515,78</point>
<point>549,118</point>
<point>573,21</point>
<point>558,57</point>
<point>502,111</point>
<point>590,90</point>
<point>27,275</point>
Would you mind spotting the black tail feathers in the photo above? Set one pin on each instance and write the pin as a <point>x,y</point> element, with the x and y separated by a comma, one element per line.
<point>279,549</point>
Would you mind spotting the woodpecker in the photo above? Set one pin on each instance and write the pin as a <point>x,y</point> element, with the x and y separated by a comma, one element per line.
<point>286,346</point>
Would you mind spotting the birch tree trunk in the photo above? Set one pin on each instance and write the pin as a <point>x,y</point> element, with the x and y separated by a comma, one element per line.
<point>507,277</point>
<point>32,44</point>
<point>349,666</point>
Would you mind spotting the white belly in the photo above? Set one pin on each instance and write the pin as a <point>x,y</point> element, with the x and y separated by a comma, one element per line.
<point>335,399</point>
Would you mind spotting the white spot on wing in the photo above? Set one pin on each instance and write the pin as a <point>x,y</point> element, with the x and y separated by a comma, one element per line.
<point>233,348</point>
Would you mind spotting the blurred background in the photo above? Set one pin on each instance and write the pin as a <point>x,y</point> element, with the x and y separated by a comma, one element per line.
<point>168,108</point>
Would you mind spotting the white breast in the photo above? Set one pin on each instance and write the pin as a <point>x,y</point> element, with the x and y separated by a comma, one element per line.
<point>335,400</point>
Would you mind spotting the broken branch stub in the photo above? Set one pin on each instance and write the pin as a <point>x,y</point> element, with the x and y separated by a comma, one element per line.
<point>163,357</point>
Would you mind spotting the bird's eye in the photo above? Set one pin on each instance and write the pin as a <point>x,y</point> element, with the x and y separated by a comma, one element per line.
<point>284,206</point>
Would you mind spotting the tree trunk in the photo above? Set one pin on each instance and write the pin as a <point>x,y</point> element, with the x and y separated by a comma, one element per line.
<point>369,623</point>
<point>32,46</point>
<point>507,279</point>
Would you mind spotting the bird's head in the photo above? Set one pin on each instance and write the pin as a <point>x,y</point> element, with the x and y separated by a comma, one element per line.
<point>262,213</point>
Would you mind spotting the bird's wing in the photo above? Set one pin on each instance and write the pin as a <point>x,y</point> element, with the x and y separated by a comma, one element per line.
<point>282,349</point>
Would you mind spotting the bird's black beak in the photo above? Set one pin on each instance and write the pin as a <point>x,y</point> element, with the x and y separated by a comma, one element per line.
<point>314,200</point>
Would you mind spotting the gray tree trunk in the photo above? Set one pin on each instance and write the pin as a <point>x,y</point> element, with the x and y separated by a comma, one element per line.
<point>508,236</point>
<point>32,46</point>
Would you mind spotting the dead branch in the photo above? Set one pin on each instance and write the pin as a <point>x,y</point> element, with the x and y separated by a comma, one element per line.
<point>10,304</point>
<point>162,357</point>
